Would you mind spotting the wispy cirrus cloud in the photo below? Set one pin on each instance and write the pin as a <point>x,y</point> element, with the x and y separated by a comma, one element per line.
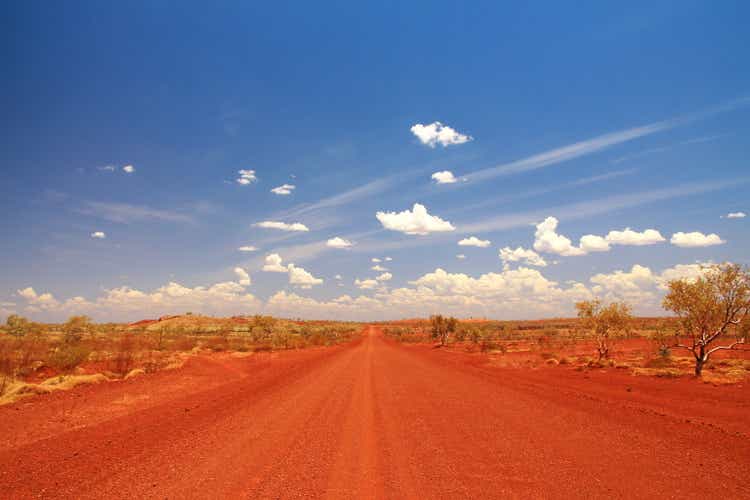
<point>126,213</point>
<point>597,144</point>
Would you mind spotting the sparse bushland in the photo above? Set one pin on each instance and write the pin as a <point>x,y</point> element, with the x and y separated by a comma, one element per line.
<point>711,308</point>
<point>79,348</point>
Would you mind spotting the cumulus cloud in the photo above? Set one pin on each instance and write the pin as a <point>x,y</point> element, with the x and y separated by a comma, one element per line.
<point>376,260</point>
<point>284,189</point>
<point>38,301</point>
<point>243,276</point>
<point>548,240</point>
<point>297,275</point>
<point>98,235</point>
<point>302,278</point>
<point>274,264</point>
<point>416,222</point>
<point>695,239</point>
<point>520,254</point>
<point>282,226</point>
<point>511,294</point>
<point>368,284</point>
<point>444,177</point>
<point>474,242</point>
<point>460,256</point>
<point>379,268</point>
<point>436,133</point>
<point>246,177</point>
<point>388,259</point>
<point>640,286</point>
<point>634,238</point>
<point>735,215</point>
<point>338,242</point>
<point>126,303</point>
<point>247,248</point>
<point>128,169</point>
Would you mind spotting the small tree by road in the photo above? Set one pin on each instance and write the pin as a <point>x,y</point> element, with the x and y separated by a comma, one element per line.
<point>16,325</point>
<point>714,306</point>
<point>75,328</point>
<point>442,327</point>
<point>605,322</point>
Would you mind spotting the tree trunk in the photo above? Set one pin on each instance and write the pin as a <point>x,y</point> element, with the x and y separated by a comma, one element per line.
<point>700,360</point>
<point>698,366</point>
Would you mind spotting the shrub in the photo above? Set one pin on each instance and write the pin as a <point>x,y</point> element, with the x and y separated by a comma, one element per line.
<point>68,357</point>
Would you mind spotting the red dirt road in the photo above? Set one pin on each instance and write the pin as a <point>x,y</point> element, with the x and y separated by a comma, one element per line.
<point>375,419</point>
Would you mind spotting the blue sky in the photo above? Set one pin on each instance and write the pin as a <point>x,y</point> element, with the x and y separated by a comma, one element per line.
<point>602,117</point>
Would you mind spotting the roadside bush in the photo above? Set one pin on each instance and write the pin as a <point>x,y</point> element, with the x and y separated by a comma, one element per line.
<point>68,357</point>
<point>124,356</point>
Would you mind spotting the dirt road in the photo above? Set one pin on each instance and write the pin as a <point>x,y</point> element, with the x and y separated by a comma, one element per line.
<point>373,419</point>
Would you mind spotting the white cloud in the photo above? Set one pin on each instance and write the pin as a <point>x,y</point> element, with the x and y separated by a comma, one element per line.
<point>247,248</point>
<point>444,177</point>
<point>548,240</point>
<point>511,294</point>
<point>42,301</point>
<point>338,242</point>
<point>735,215</point>
<point>274,264</point>
<point>388,259</point>
<point>695,239</point>
<point>243,276</point>
<point>417,221</point>
<point>599,143</point>
<point>436,133</point>
<point>283,226</point>
<point>126,213</point>
<point>460,256</point>
<point>302,278</point>
<point>338,277</point>
<point>376,260</point>
<point>378,267</point>
<point>368,284</point>
<point>593,243</point>
<point>98,235</point>
<point>106,168</point>
<point>520,254</point>
<point>284,189</point>
<point>629,237</point>
<point>246,177</point>
<point>125,303</point>
<point>474,242</point>
<point>128,169</point>
<point>297,275</point>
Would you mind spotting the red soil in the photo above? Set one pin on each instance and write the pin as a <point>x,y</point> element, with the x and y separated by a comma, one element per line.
<point>377,419</point>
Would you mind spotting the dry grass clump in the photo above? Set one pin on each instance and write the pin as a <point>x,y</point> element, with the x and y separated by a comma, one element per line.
<point>659,372</point>
<point>18,389</point>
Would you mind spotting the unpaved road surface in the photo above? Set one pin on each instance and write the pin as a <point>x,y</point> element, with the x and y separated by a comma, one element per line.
<point>375,419</point>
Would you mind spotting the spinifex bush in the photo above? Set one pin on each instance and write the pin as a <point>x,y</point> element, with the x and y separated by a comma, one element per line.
<point>68,357</point>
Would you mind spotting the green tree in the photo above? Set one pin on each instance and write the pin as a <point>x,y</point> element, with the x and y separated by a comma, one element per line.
<point>711,307</point>
<point>16,325</point>
<point>605,322</point>
<point>75,328</point>
<point>442,327</point>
